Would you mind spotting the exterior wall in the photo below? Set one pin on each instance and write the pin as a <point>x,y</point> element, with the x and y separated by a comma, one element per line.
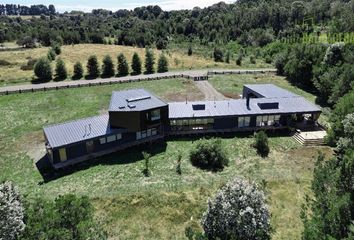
<point>225,122</point>
<point>247,91</point>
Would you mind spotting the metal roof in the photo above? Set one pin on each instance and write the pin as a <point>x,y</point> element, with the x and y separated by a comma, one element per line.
<point>270,91</point>
<point>239,108</point>
<point>134,100</point>
<point>79,130</point>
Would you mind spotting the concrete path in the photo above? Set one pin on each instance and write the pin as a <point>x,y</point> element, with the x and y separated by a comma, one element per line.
<point>87,83</point>
<point>210,93</point>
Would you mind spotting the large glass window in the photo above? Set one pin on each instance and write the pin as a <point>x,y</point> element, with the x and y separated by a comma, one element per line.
<point>155,115</point>
<point>111,138</point>
<point>244,122</point>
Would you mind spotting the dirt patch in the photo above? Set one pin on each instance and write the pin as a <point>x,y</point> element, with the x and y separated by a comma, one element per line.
<point>210,93</point>
<point>191,93</point>
<point>231,95</point>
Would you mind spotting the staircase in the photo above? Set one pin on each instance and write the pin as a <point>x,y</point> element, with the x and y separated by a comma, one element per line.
<point>314,138</point>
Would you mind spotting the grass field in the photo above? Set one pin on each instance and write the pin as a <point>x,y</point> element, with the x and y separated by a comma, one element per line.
<point>129,205</point>
<point>13,74</point>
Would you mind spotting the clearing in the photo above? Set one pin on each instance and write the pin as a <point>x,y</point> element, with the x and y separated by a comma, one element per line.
<point>132,206</point>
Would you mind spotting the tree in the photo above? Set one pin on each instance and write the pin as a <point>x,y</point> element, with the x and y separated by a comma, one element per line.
<point>56,48</point>
<point>78,71</point>
<point>218,55</point>
<point>107,67</point>
<point>51,55</point>
<point>162,65</point>
<point>11,212</point>
<point>123,67</point>
<point>146,170</point>
<point>60,70</point>
<point>93,69</point>
<point>26,42</point>
<point>136,64</point>
<point>43,69</point>
<point>149,61</point>
<point>227,57</point>
<point>209,155</point>
<point>261,143</point>
<point>239,60</point>
<point>238,211</point>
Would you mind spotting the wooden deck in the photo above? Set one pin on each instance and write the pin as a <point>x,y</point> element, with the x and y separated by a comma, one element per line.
<point>198,74</point>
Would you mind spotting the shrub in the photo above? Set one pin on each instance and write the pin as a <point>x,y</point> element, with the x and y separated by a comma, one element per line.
<point>161,44</point>
<point>93,69</point>
<point>218,55</point>
<point>238,211</point>
<point>178,166</point>
<point>227,58</point>
<point>51,55</point>
<point>60,70</point>
<point>42,69</point>
<point>57,49</point>
<point>5,63</point>
<point>11,212</point>
<point>123,67</point>
<point>209,154</point>
<point>107,67</point>
<point>252,59</point>
<point>261,143</point>
<point>190,51</point>
<point>279,62</point>
<point>268,59</point>
<point>29,65</point>
<point>136,64</point>
<point>146,170</point>
<point>78,71</point>
<point>149,61</point>
<point>162,65</point>
<point>239,60</point>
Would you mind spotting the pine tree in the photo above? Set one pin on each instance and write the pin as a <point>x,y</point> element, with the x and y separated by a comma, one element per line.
<point>107,67</point>
<point>123,67</point>
<point>93,69</point>
<point>190,51</point>
<point>43,69</point>
<point>78,71</point>
<point>227,58</point>
<point>218,55</point>
<point>60,70</point>
<point>162,65</point>
<point>239,60</point>
<point>149,61</point>
<point>136,64</point>
<point>51,55</point>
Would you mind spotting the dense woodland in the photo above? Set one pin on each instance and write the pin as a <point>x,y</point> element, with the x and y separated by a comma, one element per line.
<point>254,23</point>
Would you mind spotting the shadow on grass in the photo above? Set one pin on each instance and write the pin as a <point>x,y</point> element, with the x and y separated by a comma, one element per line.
<point>127,156</point>
<point>39,81</point>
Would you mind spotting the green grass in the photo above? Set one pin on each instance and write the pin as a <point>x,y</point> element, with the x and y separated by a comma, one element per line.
<point>130,205</point>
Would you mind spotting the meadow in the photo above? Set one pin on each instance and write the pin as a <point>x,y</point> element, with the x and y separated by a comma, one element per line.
<point>178,59</point>
<point>132,206</point>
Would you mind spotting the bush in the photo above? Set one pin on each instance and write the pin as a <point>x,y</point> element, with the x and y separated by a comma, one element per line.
<point>279,62</point>
<point>107,67</point>
<point>5,63</point>
<point>60,70</point>
<point>261,143</point>
<point>57,49</point>
<point>78,71</point>
<point>227,58</point>
<point>146,170</point>
<point>149,61</point>
<point>136,64</point>
<point>239,60</point>
<point>218,55</point>
<point>93,69</point>
<point>68,217</point>
<point>123,67</point>
<point>238,212</point>
<point>190,51</point>
<point>209,154</point>
<point>268,59</point>
<point>162,65</point>
<point>43,69</point>
<point>11,212</point>
<point>29,65</point>
<point>252,59</point>
<point>51,55</point>
<point>161,44</point>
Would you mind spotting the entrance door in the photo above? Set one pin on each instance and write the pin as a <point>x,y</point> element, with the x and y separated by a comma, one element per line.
<point>62,154</point>
<point>90,146</point>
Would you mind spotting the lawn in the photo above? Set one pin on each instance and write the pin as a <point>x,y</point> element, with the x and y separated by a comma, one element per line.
<point>178,59</point>
<point>129,205</point>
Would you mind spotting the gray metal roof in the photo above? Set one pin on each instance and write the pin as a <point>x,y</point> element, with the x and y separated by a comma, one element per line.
<point>79,130</point>
<point>134,100</point>
<point>270,91</point>
<point>239,108</point>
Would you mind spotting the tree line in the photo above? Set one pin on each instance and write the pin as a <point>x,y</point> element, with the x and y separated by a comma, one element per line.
<point>43,69</point>
<point>252,23</point>
<point>21,10</point>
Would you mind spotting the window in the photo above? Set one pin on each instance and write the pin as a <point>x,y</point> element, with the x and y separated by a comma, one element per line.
<point>244,122</point>
<point>111,138</point>
<point>154,132</point>
<point>277,117</point>
<point>241,122</point>
<point>155,115</point>
<point>146,133</point>
<point>119,136</point>
<point>62,154</point>
<point>102,140</point>
<point>247,121</point>
<point>210,120</point>
<point>138,135</point>
<point>90,147</point>
<point>173,122</point>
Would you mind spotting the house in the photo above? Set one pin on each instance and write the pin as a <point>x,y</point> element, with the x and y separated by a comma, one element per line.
<point>137,117</point>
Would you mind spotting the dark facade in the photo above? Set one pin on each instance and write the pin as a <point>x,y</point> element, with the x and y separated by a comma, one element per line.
<point>138,117</point>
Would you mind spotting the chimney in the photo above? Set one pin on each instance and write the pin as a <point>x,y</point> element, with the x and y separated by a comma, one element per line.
<point>248,101</point>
